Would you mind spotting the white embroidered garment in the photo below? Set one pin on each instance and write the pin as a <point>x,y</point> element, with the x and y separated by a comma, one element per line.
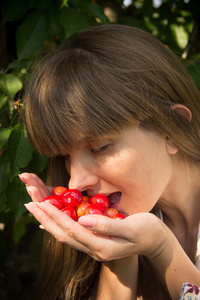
<point>198,251</point>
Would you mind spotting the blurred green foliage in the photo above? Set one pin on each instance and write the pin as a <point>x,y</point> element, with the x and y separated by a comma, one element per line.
<point>40,25</point>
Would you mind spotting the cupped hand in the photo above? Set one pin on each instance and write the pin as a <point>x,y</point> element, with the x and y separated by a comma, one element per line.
<point>101,237</point>
<point>35,186</point>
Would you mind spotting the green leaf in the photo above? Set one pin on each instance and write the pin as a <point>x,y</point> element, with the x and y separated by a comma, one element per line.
<point>53,20</point>
<point>72,21</point>
<point>6,216</point>
<point>13,10</point>
<point>94,10</point>
<point>194,71</point>
<point>64,4</point>
<point>31,34</point>
<point>40,3</point>
<point>19,229</point>
<point>19,149</point>
<point>4,135</point>
<point>10,84</point>
<point>17,65</point>
<point>4,173</point>
<point>2,201</point>
<point>180,35</point>
<point>38,163</point>
<point>3,100</point>
<point>17,196</point>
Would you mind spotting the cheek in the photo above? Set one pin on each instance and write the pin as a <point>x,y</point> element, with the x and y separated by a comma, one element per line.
<point>144,183</point>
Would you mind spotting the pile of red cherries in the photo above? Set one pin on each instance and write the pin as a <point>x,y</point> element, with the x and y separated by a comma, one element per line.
<point>74,204</point>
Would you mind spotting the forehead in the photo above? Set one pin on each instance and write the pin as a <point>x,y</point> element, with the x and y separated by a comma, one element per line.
<point>86,140</point>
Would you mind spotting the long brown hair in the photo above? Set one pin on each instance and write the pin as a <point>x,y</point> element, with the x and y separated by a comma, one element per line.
<point>106,78</point>
<point>64,273</point>
<point>103,79</point>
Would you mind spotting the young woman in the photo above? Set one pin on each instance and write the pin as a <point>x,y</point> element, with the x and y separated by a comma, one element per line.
<point>116,113</point>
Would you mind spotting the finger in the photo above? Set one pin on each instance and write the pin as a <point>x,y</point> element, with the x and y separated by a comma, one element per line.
<point>142,230</point>
<point>64,229</point>
<point>35,186</point>
<point>31,179</point>
<point>109,226</point>
<point>37,195</point>
<point>66,232</point>
<point>72,228</point>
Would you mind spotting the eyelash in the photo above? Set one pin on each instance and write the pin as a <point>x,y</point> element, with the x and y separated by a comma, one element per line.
<point>93,151</point>
<point>99,150</point>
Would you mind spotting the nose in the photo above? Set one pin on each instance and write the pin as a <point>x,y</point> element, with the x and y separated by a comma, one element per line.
<point>81,176</point>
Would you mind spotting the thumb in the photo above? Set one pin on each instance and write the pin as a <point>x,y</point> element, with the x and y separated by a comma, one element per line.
<point>105,225</point>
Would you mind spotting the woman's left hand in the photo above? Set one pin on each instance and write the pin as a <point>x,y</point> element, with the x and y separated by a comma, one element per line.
<point>101,237</point>
<point>106,239</point>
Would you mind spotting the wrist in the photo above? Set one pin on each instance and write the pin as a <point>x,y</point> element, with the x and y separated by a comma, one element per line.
<point>157,239</point>
<point>118,279</point>
<point>162,244</point>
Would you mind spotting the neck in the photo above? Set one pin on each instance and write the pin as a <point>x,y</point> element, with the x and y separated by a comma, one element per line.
<point>180,201</point>
<point>180,204</point>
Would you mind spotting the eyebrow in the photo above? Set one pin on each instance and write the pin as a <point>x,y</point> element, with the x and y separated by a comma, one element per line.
<point>87,140</point>
<point>84,140</point>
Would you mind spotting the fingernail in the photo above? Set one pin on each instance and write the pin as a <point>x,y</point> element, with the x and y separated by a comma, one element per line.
<point>29,207</point>
<point>22,178</point>
<point>41,227</point>
<point>87,221</point>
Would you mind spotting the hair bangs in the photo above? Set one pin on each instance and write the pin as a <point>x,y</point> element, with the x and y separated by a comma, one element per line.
<point>76,96</point>
<point>63,114</point>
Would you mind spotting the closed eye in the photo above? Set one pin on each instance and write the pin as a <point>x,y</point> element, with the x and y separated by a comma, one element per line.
<point>99,150</point>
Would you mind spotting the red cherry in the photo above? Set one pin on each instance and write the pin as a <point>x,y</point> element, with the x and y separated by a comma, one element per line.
<point>59,190</point>
<point>86,199</point>
<point>81,208</point>
<point>100,199</point>
<point>70,211</point>
<point>54,200</point>
<point>119,216</point>
<point>72,197</point>
<point>111,212</point>
<point>95,209</point>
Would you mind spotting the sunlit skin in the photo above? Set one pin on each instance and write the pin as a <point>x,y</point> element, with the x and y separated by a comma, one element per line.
<point>135,164</point>
<point>143,168</point>
<point>138,169</point>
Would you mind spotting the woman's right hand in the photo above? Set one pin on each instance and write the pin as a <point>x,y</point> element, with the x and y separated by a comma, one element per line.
<point>35,186</point>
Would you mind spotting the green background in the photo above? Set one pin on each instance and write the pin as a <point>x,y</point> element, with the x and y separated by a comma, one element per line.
<point>26,29</point>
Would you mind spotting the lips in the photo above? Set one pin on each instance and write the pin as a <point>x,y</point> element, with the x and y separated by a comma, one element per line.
<point>114,197</point>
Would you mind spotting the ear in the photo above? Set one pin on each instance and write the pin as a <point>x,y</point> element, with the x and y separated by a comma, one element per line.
<point>183,111</point>
<point>171,147</point>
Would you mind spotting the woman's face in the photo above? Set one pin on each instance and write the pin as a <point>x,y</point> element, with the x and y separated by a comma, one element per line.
<point>132,167</point>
